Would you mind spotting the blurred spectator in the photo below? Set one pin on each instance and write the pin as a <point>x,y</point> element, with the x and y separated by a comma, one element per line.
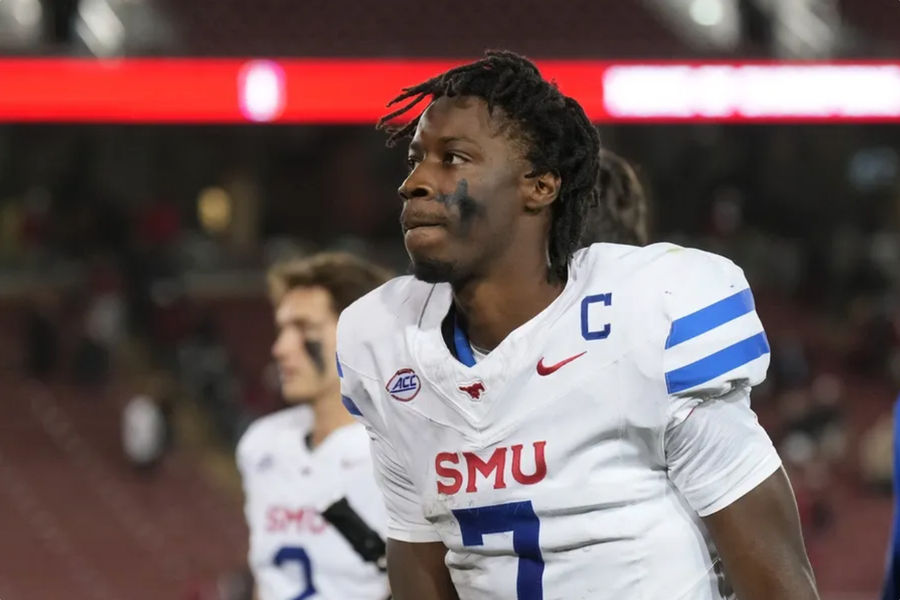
<point>756,27</point>
<point>159,223</point>
<point>104,325</point>
<point>876,455</point>
<point>59,19</point>
<point>825,420</point>
<point>11,218</point>
<point>105,318</point>
<point>36,226</point>
<point>790,364</point>
<point>91,362</point>
<point>205,367</point>
<point>812,442</point>
<point>143,431</point>
<point>815,415</point>
<point>874,334</point>
<point>894,367</point>
<point>41,341</point>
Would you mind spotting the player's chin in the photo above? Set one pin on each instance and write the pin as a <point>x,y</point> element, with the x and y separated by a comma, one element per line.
<point>296,393</point>
<point>433,270</point>
<point>427,248</point>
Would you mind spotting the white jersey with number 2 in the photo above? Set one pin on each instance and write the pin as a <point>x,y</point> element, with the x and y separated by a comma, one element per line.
<point>294,553</point>
<point>576,459</point>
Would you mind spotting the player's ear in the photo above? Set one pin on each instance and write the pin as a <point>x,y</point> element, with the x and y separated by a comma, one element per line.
<point>541,190</point>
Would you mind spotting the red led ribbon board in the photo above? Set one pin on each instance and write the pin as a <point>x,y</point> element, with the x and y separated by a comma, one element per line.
<point>317,91</point>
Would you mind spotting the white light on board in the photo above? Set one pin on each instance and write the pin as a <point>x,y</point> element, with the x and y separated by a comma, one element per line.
<point>752,91</point>
<point>708,13</point>
<point>261,90</point>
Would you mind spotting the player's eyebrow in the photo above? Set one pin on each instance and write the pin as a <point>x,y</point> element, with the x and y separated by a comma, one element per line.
<point>416,145</point>
<point>293,322</point>
<point>447,139</point>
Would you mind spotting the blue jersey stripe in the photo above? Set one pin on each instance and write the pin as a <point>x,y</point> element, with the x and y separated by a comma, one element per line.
<point>350,406</point>
<point>717,364</point>
<point>338,361</point>
<point>709,318</point>
<point>892,578</point>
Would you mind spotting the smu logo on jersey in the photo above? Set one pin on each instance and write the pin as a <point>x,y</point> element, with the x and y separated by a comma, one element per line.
<point>404,385</point>
<point>452,477</point>
<point>283,518</point>
<point>474,390</point>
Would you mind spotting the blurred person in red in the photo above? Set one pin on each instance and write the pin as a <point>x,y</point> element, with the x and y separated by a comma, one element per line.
<point>316,521</point>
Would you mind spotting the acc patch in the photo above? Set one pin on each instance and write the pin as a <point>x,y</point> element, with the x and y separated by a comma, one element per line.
<point>404,385</point>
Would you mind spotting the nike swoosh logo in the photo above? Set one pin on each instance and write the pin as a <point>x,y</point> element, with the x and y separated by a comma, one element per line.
<point>543,369</point>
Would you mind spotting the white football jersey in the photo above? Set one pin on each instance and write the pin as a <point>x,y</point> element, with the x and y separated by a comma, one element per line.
<point>294,553</point>
<point>575,459</point>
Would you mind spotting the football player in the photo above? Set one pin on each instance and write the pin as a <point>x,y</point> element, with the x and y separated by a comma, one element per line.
<point>549,422</point>
<point>316,520</point>
<point>621,215</point>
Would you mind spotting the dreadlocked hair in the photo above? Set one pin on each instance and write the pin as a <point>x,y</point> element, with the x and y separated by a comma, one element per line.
<point>560,139</point>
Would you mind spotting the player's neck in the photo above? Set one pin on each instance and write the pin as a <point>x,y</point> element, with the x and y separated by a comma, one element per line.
<point>495,305</point>
<point>329,415</point>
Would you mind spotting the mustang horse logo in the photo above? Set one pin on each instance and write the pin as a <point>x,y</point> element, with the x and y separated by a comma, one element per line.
<point>474,390</point>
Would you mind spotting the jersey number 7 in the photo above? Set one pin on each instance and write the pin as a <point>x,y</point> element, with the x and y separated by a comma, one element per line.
<point>521,520</point>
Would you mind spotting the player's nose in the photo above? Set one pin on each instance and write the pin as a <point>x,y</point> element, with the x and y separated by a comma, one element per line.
<point>280,346</point>
<point>416,185</point>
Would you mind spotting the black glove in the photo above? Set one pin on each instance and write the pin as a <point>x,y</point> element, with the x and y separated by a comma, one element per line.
<point>365,540</point>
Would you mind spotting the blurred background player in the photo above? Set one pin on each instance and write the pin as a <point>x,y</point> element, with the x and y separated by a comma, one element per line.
<point>311,456</point>
<point>623,213</point>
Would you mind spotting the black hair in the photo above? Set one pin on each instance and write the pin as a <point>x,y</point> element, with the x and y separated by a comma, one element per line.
<point>560,138</point>
<point>622,211</point>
